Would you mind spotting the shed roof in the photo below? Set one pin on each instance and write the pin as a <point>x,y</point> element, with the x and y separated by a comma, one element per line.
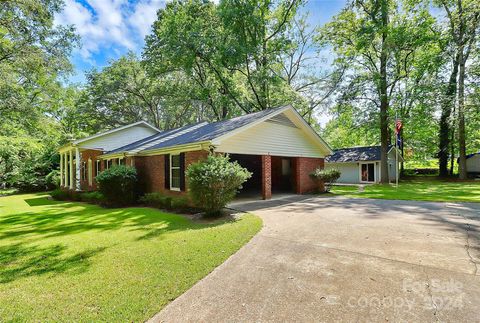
<point>355,154</point>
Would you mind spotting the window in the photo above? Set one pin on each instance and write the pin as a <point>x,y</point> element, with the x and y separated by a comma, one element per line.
<point>107,163</point>
<point>121,161</point>
<point>175,172</point>
<point>97,167</point>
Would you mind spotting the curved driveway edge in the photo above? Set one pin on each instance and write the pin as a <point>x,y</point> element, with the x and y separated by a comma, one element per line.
<point>343,259</point>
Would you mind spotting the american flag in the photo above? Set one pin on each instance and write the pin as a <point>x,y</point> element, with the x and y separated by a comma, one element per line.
<point>398,131</point>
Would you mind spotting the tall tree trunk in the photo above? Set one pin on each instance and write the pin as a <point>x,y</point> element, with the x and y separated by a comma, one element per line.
<point>444,133</point>
<point>384,178</point>
<point>452,150</point>
<point>462,163</point>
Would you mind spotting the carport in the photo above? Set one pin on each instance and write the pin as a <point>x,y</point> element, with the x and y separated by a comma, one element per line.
<point>270,175</point>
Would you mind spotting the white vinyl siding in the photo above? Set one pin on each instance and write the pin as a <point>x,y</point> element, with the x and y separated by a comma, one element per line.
<point>269,138</point>
<point>473,164</point>
<point>348,171</point>
<point>118,139</point>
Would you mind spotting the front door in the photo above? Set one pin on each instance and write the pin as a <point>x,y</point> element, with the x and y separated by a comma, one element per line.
<point>367,173</point>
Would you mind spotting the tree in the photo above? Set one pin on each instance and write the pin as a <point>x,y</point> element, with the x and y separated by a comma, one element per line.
<point>378,40</point>
<point>463,18</point>
<point>231,51</point>
<point>123,93</point>
<point>33,54</point>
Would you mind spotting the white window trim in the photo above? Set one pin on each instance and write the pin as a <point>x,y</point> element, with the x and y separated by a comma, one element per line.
<point>170,170</point>
<point>374,172</point>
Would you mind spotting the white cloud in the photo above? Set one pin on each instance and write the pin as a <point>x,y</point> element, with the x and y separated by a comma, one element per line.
<point>107,25</point>
<point>145,14</point>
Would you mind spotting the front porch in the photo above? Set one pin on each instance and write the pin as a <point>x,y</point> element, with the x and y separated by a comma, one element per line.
<point>78,168</point>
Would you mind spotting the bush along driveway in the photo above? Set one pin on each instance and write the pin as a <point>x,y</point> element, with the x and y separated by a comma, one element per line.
<point>63,261</point>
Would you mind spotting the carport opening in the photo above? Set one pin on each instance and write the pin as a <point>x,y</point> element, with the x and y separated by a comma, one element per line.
<point>282,173</point>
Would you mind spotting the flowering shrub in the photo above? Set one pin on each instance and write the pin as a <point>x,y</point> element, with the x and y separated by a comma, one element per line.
<point>214,182</point>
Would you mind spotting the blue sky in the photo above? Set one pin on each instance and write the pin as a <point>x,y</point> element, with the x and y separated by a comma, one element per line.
<point>111,28</point>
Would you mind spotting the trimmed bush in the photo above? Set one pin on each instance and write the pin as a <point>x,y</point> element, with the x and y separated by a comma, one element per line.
<point>92,197</point>
<point>325,178</point>
<point>118,184</point>
<point>60,195</point>
<point>160,201</point>
<point>157,200</point>
<point>214,182</point>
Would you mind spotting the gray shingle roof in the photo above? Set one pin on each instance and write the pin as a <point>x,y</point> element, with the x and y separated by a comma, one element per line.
<point>204,132</point>
<point>355,154</point>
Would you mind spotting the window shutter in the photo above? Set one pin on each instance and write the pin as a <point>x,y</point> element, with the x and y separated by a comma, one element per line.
<point>167,171</point>
<point>182,171</point>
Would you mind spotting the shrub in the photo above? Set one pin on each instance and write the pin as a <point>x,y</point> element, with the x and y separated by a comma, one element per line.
<point>60,195</point>
<point>92,197</point>
<point>118,184</point>
<point>157,200</point>
<point>325,178</point>
<point>52,180</point>
<point>214,182</point>
<point>161,201</point>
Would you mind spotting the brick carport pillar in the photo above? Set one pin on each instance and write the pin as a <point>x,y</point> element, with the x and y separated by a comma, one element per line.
<point>266,177</point>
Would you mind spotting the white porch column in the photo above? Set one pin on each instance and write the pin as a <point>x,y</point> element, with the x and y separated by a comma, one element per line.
<point>71,170</point>
<point>77,169</point>
<point>61,169</point>
<point>65,170</point>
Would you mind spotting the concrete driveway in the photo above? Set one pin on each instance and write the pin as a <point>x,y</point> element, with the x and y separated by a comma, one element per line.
<point>338,259</point>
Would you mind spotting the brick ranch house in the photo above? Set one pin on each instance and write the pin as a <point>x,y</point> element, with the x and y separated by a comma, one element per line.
<point>276,145</point>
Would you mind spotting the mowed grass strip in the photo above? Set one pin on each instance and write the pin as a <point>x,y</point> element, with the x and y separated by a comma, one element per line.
<point>62,261</point>
<point>421,190</point>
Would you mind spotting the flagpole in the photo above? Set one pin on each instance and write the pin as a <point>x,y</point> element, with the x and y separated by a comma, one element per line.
<point>396,149</point>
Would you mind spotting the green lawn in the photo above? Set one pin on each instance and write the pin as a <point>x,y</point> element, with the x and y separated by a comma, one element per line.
<point>76,262</point>
<point>422,190</point>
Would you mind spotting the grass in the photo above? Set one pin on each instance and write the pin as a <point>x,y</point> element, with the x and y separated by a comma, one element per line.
<point>63,261</point>
<point>420,189</point>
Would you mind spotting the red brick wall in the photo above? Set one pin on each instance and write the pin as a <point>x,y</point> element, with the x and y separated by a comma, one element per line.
<point>303,166</point>
<point>151,171</point>
<point>85,155</point>
<point>266,177</point>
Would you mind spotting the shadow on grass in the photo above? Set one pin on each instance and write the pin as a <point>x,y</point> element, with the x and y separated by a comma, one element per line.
<point>18,261</point>
<point>40,201</point>
<point>66,218</point>
<point>56,219</point>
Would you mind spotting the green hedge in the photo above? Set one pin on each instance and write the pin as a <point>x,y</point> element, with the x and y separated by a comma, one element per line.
<point>160,201</point>
<point>118,184</point>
